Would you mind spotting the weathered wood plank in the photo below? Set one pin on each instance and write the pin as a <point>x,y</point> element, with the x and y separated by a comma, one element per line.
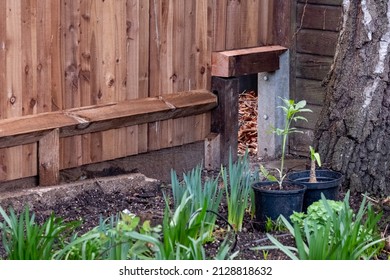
<point>233,13</point>
<point>317,42</point>
<point>311,117</point>
<point>143,68</point>
<point>3,86</point>
<point>29,79</point>
<point>310,90</point>
<point>219,25</point>
<point>249,31</point>
<point>314,67</point>
<point>13,72</point>
<point>49,158</point>
<point>283,23</point>
<point>28,129</point>
<point>299,142</point>
<point>323,2</point>
<point>246,61</point>
<point>212,147</point>
<point>137,33</point>
<point>224,119</point>
<point>265,22</point>
<point>71,93</point>
<point>319,17</point>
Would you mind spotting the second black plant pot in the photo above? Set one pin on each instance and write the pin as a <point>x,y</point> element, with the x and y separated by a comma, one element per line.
<point>273,203</point>
<point>328,183</point>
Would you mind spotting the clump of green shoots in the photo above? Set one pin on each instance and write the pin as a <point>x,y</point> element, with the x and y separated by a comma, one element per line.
<point>237,180</point>
<point>204,195</point>
<point>24,239</point>
<point>292,113</point>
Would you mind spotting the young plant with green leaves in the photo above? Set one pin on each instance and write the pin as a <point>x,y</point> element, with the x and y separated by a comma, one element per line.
<point>314,157</point>
<point>345,235</point>
<point>316,215</point>
<point>237,179</point>
<point>292,113</point>
<point>24,239</point>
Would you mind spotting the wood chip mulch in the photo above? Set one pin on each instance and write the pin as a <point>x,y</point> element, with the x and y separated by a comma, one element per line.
<point>247,132</point>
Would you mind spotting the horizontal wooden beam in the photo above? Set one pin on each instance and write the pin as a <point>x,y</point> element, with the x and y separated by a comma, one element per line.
<point>241,62</point>
<point>29,129</point>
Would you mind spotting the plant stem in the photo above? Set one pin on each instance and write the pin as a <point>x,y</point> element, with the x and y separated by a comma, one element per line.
<point>286,130</point>
<point>313,178</point>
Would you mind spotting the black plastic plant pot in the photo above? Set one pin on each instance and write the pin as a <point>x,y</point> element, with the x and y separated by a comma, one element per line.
<point>328,183</point>
<point>270,204</point>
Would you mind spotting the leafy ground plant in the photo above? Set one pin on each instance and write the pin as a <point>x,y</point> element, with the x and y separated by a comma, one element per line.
<point>24,239</point>
<point>112,239</point>
<point>345,236</point>
<point>317,214</point>
<point>237,180</point>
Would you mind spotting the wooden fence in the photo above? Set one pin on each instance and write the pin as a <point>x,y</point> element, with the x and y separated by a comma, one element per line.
<point>318,23</point>
<point>63,55</point>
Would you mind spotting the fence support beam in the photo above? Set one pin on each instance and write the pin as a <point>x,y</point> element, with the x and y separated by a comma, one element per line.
<point>49,158</point>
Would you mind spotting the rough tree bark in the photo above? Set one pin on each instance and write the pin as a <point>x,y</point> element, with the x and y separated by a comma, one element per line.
<point>353,131</point>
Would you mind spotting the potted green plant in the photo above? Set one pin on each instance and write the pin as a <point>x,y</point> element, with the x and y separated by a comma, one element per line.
<point>317,181</point>
<point>275,196</point>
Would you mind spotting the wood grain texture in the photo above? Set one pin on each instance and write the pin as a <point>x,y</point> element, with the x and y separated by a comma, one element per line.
<point>319,17</point>
<point>311,90</point>
<point>49,159</point>
<point>240,62</point>
<point>224,116</point>
<point>323,2</point>
<point>317,42</point>
<point>96,118</point>
<point>313,67</point>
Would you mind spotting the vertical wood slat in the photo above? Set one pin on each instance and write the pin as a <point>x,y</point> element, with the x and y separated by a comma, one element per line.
<point>29,82</point>
<point>49,158</point>
<point>134,42</point>
<point>108,82</point>
<point>143,69</point>
<point>178,55</point>
<point>96,74</point>
<point>85,72</point>
<point>71,96</point>
<point>3,103</point>
<point>13,91</point>
<point>233,25</point>
<point>219,25</point>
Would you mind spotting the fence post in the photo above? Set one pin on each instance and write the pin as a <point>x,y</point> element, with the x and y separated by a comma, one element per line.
<point>225,116</point>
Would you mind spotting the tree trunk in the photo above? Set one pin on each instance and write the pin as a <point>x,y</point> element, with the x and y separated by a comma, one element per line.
<point>353,131</point>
